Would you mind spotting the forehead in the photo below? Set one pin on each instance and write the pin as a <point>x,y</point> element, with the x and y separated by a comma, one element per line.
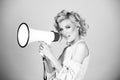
<point>65,23</point>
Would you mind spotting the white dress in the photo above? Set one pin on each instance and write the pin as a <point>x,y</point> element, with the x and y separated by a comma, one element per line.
<point>72,70</point>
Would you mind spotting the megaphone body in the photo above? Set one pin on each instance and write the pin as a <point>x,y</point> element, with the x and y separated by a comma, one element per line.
<point>26,35</point>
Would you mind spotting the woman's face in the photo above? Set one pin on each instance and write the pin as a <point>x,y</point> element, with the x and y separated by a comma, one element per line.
<point>69,30</point>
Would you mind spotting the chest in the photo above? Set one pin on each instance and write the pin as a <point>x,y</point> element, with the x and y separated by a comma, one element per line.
<point>69,53</point>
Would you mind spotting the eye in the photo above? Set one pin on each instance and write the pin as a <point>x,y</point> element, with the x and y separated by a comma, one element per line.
<point>61,29</point>
<point>67,27</point>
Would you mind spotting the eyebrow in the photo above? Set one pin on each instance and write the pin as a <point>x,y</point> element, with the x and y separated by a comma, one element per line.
<point>67,26</point>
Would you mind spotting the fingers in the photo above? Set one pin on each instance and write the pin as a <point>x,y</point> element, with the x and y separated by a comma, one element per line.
<point>42,43</point>
<point>42,46</point>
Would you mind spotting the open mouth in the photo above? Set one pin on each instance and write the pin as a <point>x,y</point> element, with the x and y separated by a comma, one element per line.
<point>68,36</point>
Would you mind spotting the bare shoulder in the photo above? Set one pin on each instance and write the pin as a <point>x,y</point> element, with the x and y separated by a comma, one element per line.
<point>82,47</point>
<point>82,44</point>
<point>81,52</point>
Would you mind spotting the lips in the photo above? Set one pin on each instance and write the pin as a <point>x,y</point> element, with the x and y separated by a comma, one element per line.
<point>68,35</point>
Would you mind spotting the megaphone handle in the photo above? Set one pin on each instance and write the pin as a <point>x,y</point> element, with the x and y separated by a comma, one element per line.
<point>44,69</point>
<point>44,73</point>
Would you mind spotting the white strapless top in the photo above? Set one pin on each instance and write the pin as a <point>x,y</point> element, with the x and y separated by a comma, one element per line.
<point>72,70</point>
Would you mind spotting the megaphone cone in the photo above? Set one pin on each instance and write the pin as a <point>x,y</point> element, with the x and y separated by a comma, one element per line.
<point>26,35</point>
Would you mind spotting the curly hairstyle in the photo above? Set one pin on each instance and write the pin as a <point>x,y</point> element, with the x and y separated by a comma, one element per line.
<point>75,18</point>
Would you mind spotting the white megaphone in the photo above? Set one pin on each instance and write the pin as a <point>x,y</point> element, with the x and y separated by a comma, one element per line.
<point>26,35</point>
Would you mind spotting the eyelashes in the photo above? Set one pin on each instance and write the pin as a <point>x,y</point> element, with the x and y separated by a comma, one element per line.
<point>66,27</point>
<point>61,29</point>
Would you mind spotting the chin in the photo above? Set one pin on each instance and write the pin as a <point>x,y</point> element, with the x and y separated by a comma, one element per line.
<point>70,41</point>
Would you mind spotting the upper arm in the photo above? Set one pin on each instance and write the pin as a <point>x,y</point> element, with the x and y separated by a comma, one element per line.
<point>80,53</point>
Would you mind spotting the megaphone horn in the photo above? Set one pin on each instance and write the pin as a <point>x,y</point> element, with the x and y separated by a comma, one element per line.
<point>25,35</point>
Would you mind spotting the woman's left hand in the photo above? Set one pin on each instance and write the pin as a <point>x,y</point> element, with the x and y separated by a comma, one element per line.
<point>45,49</point>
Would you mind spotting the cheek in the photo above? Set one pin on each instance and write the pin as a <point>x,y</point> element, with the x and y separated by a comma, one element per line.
<point>72,30</point>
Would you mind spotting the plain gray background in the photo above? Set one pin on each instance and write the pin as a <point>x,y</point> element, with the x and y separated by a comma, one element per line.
<point>103,36</point>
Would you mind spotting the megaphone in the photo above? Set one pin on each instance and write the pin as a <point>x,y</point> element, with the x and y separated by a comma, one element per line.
<point>26,35</point>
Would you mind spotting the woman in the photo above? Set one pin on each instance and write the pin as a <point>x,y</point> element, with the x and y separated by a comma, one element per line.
<point>72,63</point>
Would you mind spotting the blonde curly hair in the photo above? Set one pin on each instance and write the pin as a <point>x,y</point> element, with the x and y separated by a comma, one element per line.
<point>75,18</point>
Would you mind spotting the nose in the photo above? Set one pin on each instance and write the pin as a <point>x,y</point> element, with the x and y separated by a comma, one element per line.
<point>64,33</point>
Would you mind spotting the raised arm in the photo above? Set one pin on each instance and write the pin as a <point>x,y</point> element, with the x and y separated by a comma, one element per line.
<point>48,53</point>
<point>49,66</point>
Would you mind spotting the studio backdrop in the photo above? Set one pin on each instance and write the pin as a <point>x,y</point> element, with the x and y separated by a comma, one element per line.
<point>103,36</point>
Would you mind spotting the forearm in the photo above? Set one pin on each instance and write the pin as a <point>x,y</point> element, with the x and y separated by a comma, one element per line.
<point>48,53</point>
<point>55,62</point>
<point>49,66</point>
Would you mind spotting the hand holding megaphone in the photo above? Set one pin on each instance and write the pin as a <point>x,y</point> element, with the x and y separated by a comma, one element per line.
<point>44,49</point>
<point>41,47</point>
